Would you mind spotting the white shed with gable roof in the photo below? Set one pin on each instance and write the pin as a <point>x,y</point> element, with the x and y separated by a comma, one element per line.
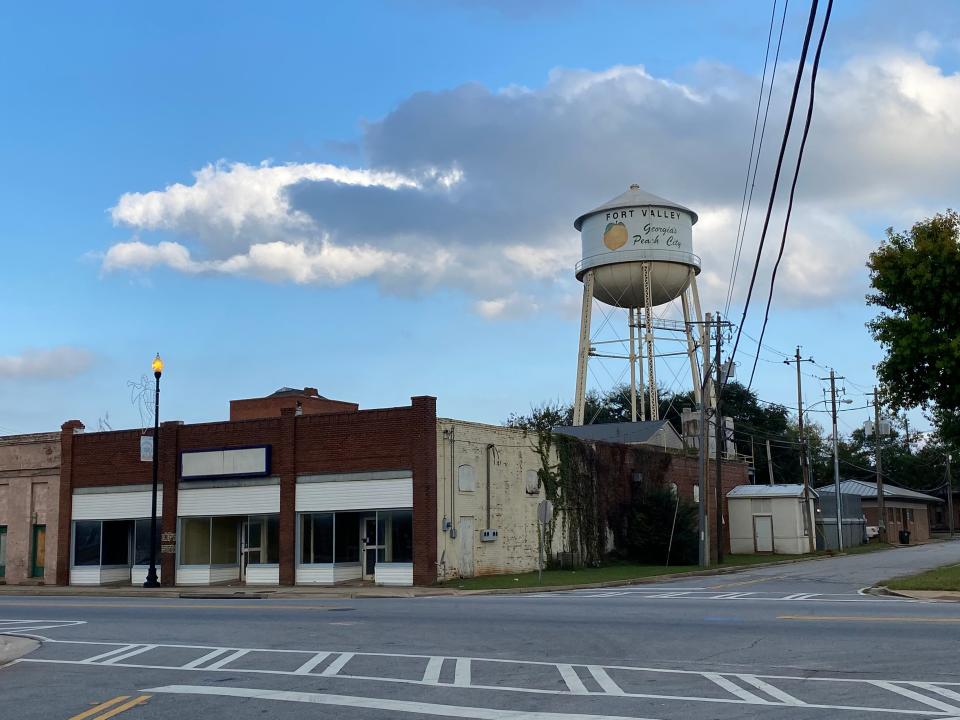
<point>769,519</point>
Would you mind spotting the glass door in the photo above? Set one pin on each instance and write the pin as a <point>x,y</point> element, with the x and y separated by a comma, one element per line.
<point>251,544</point>
<point>368,541</point>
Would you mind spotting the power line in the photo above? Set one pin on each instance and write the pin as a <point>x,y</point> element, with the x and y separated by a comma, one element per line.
<point>796,172</point>
<point>745,202</point>
<point>779,168</point>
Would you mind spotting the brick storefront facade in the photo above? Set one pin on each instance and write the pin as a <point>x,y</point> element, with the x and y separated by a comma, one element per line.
<point>308,444</point>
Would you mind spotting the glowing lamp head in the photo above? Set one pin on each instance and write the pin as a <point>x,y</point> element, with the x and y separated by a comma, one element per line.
<point>157,365</point>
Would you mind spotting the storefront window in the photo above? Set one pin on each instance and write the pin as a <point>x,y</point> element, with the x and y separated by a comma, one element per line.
<point>223,546</point>
<point>347,532</point>
<point>316,538</point>
<point>86,542</point>
<point>395,533</point>
<point>195,541</point>
<point>3,550</point>
<point>263,539</point>
<point>141,542</point>
<point>115,539</point>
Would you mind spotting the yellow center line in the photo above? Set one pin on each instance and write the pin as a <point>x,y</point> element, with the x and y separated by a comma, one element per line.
<point>122,708</point>
<point>98,708</point>
<point>869,618</point>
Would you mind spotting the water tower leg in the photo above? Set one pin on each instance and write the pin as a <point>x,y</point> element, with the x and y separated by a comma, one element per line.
<point>691,345</point>
<point>580,396</point>
<point>640,385</point>
<point>648,328</point>
<point>633,365</point>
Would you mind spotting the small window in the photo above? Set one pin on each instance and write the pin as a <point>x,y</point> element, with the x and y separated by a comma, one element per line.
<point>466,480</point>
<point>696,494</point>
<point>909,515</point>
<point>532,482</point>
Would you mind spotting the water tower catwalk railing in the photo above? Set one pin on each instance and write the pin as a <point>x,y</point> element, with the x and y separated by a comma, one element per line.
<point>657,268</point>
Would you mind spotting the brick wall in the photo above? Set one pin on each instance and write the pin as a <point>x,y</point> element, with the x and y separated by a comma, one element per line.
<point>355,441</point>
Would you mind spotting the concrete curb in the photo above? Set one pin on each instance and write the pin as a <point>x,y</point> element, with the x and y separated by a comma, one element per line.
<point>13,647</point>
<point>353,593</point>
<point>947,596</point>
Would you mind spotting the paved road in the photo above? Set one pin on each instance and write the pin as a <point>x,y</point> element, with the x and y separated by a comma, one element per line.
<point>794,641</point>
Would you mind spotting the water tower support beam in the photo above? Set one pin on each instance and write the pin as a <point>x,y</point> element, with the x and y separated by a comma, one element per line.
<point>691,346</point>
<point>648,329</point>
<point>580,396</point>
<point>631,321</point>
<point>643,409</point>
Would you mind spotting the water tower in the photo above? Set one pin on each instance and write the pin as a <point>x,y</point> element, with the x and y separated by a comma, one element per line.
<point>638,255</point>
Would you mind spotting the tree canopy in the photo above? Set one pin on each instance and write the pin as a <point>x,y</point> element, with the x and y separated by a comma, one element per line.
<point>915,277</point>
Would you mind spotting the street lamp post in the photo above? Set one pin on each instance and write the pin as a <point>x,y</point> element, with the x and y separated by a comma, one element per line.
<point>152,580</point>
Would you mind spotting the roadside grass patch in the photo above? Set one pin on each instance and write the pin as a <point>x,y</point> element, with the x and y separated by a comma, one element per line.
<point>944,578</point>
<point>614,572</point>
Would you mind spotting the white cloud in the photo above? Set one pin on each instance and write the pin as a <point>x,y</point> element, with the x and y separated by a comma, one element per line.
<point>477,190</point>
<point>51,363</point>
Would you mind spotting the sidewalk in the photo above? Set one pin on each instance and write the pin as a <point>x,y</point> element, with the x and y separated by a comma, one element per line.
<point>350,592</point>
<point>941,595</point>
<point>344,592</point>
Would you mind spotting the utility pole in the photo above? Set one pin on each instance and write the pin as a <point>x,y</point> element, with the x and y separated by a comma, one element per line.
<point>704,549</point>
<point>906,438</point>
<point>952,519</point>
<point>836,457</point>
<point>769,463</point>
<point>804,467</point>
<point>881,509</point>
<point>718,440</point>
<point>753,461</point>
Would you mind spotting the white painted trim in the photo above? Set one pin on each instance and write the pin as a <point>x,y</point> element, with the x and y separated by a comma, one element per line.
<point>397,574</point>
<point>114,505</point>
<point>354,495</point>
<point>213,502</point>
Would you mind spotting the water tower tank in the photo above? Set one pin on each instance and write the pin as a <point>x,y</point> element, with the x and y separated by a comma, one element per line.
<point>629,230</point>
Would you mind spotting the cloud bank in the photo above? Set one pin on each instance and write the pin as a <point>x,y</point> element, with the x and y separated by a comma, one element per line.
<point>476,189</point>
<point>46,364</point>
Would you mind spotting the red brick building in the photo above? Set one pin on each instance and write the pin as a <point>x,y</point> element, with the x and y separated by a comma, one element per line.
<point>321,496</point>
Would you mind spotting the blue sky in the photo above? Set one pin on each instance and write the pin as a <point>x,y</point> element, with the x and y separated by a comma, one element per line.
<point>390,188</point>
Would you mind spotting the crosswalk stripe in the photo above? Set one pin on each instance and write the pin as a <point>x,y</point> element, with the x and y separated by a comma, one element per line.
<point>461,675</point>
<point>913,695</point>
<point>228,659</point>
<point>124,656</point>
<point>939,690</point>
<point>337,665</point>
<point>573,681</point>
<point>604,680</point>
<point>311,663</point>
<point>431,676</point>
<point>771,690</point>
<point>204,658</point>
<point>735,689</point>
<point>115,651</point>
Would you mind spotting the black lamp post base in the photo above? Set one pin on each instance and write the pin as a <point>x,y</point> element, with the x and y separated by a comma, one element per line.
<point>151,581</point>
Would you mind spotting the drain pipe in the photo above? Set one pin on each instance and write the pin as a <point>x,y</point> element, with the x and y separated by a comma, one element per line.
<point>490,447</point>
<point>453,485</point>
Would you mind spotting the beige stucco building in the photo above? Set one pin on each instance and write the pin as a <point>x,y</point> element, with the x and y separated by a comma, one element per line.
<point>487,480</point>
<point>29,490</point>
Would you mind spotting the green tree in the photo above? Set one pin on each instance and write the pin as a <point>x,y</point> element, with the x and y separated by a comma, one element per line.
<point>915,278</point>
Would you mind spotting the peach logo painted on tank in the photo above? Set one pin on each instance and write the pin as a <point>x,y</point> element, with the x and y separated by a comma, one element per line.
<point>615,235</point>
